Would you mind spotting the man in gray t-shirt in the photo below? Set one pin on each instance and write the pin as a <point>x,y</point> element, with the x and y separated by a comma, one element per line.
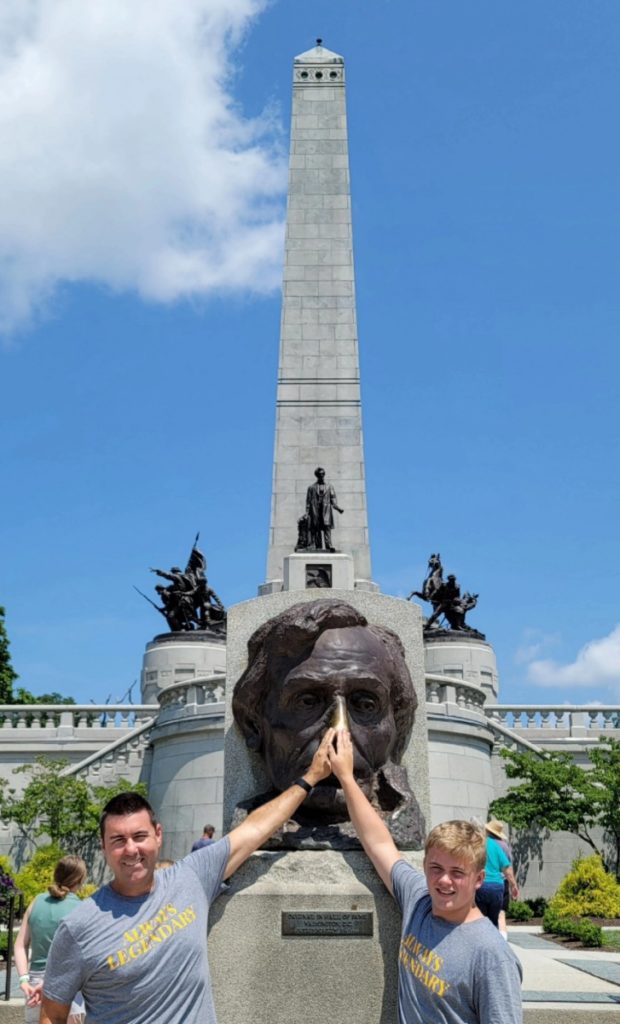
<point>454,967</point>
<point>137,949</point>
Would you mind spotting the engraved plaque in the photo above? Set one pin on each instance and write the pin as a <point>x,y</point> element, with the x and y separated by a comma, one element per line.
<point>335,923</point>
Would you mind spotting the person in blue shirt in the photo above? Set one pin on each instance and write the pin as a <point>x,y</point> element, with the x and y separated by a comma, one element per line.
<point>206,838</point>
<point>490,895</point>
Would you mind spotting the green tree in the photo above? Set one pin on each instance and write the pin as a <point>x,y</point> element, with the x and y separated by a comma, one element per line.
<point>63,808</point>
<point>8,675</point>
<point>556,794</point>
<point>26,697</point>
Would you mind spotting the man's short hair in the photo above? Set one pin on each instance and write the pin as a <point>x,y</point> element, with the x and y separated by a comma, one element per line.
<point>288,639</point>
<point>209,830</point>
<point>123,804</point>
<point>461,839</point>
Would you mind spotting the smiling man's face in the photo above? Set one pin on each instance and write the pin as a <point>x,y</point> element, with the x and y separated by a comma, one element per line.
<point>131,845</point>
<point>350,662</point>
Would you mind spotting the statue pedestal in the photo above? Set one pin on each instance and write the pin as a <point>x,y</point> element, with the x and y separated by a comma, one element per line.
<point>318,570</point>
<point>315,935</point>
<point>462,656</point>
<point>178,658</point>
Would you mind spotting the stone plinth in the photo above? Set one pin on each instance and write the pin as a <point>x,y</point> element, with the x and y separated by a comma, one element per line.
<point>266,977</point>
<point>463,657</point>
<point>244,771</point>
<point>179,657</point>
<point>318,571</point>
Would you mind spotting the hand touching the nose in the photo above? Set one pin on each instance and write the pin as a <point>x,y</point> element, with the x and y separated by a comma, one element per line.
<point>321,767</point>
<point>341,755</point>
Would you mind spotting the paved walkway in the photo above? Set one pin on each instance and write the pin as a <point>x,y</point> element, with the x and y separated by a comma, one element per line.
<point>558,979</point>
<point>560,986</point>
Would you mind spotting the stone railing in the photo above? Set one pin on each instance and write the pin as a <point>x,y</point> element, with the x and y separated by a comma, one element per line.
<point>63,720</point>
<point>447,690</point>
<point>579,721</point>
<point>193,693</point>
<point>115,757</point>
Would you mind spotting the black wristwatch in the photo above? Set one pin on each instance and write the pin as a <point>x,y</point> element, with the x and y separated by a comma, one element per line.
<point>304,785</point>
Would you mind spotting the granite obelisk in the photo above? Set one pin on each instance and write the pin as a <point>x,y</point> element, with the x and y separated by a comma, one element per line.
<point>318,419</point>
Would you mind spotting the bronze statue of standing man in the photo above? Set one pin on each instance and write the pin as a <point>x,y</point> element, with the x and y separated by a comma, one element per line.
<point>320,502</point>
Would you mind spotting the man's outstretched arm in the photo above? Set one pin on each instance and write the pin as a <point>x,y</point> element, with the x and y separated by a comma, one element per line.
<point>265,820</point>
<point>372,832</point>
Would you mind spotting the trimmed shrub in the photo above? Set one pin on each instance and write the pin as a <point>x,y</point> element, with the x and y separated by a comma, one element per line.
<point>87,890</point>
<point>538,905</point>
<point>38,872</point>
<point>550,919</point>
<point>585,931</point>
<point>6,868</point>
<point>587,890</point>
<point>7,888</point>
<point>4,944</point>
<point>519,911</point>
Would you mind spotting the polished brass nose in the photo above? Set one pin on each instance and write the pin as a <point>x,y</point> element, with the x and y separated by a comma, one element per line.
<point>340,719</point>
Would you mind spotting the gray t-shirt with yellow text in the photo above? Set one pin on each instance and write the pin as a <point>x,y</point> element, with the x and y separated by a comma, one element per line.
<point>144,958</point>
<point>451,973</point>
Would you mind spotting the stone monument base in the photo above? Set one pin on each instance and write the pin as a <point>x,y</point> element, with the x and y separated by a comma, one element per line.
<point>306,937</point>
<point>180,657</point>
<point>461,655</point>
<point>318,570</point>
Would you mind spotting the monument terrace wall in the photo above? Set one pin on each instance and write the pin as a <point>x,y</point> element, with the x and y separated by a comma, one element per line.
<point>176,748</point>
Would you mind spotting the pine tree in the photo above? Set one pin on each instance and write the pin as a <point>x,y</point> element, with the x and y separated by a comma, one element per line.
<point>7,673</point>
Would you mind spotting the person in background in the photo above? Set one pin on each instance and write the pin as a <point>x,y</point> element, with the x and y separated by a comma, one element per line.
<point>206,838</point>
<point>496,829</point>
<point>37,931</point>
<point>497,869</point>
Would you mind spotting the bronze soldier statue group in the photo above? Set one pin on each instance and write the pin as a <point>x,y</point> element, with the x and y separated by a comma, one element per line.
<point>189,603</point>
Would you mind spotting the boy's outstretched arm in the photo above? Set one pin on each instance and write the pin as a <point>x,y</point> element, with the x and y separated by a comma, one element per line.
<point>372,832</point>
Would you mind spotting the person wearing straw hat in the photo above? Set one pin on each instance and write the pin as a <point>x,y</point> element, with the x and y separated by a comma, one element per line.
<point>497,869</point>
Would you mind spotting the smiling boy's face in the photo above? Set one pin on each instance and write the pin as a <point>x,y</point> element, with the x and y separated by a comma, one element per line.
<point>452,883</point>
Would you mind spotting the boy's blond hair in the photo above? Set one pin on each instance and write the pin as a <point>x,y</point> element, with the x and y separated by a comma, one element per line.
<point>460,838</point>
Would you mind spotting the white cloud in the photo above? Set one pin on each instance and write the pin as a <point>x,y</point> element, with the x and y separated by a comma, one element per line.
<point>534,643</point>
<point>596,664</point>
<point>124,159</point>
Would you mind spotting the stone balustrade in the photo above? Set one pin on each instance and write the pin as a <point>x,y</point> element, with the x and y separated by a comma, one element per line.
<point>448,690</point>
<point>562,720</point>
<point>63,719</point>
<point>115,759</point>
<point>194,692</point>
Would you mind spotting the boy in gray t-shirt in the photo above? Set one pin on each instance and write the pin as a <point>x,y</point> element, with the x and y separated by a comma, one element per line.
<point>454,967</point>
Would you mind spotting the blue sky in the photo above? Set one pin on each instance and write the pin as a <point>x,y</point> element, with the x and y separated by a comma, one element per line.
<point>143,168</point>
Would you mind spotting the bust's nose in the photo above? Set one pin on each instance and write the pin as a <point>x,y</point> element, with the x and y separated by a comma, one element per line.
<point>340,718</point>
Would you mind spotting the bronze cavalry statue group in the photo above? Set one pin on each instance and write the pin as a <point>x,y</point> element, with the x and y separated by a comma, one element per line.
<point>446,598</point>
